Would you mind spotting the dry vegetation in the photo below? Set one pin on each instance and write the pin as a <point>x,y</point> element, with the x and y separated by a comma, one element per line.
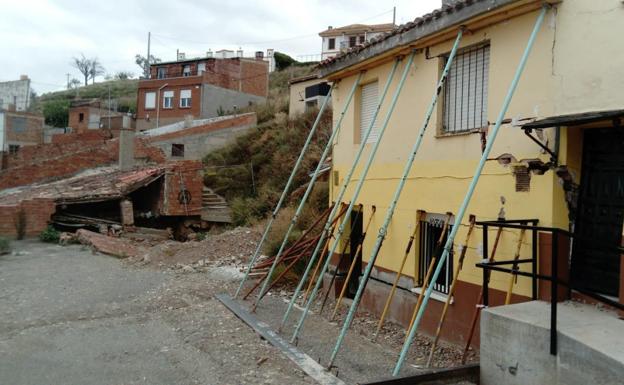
<point>271,151</point>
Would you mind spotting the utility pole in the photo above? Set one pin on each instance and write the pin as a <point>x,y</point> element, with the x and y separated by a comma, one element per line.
<point>394,15</point>
<point>109,107</point>
<point>67,80</point>
<point>147,67</point>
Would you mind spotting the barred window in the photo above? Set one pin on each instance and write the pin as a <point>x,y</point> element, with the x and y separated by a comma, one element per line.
<point>432,241</point>
<point>466,90</point>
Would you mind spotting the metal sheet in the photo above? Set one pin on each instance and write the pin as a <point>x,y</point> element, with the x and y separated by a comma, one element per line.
<point>307,364</point>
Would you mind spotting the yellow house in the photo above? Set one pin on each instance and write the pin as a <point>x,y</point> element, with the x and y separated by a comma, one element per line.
<point>570,100</point>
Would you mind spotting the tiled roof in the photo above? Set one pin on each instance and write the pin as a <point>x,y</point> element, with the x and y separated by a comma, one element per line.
<point>93,185</point>
<point>355,28</point>
<point>436,16</point>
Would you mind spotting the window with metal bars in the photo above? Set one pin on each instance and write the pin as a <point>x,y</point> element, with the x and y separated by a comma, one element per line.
<point>430,246</point>
<point>466,90</point>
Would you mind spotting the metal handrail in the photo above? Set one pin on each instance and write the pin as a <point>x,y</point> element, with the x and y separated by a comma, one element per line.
<point>553,278</point>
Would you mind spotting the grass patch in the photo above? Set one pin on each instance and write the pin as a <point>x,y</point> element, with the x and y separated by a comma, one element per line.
<point>50,235</point>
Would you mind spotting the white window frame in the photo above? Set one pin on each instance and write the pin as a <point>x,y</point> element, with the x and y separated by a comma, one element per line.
<point>185,98</point>
<point>168,99</point>
<point>201,67</point>
<point>150,100</point>
<point>464,106</point>
<point>186,70</point>
<point>369,99</point>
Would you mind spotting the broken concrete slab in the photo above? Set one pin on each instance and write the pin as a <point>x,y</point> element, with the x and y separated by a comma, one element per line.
<point>116,247</point>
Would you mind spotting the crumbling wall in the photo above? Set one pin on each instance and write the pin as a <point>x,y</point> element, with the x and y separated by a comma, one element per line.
<point>37,214</point>
<point>182,191</point>
<point>55,160</point>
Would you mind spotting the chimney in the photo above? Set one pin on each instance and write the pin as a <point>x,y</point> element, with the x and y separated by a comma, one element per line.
<point>181,56</point>
<point>126,146</point>
<point>447,2</point>
<point>259,55</point>
<point>330,27</point>
<point>23,77</point>
<point>209,53</point>
<point>239,53</point>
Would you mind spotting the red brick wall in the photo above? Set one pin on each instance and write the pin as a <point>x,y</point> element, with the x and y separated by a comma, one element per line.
<point>192,83</point>
<point>74,118</point>
<point>33,132</point>
<point>255,78</point>
<point>38,163</point>
<point>37,214</point>
<point>87,136</point>
<point>249,76</point>
<point>191,172</point>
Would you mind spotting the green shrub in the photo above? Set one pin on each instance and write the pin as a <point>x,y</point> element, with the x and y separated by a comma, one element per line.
<point>5,245</point>
<point>50,235</point>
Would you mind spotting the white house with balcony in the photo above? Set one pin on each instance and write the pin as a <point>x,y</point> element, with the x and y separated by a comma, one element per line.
<point>340,39</point>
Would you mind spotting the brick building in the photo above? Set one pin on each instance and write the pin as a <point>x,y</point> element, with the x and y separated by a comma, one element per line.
<point>18,129</point>
<point>199,88</point>
<point>90,114</point>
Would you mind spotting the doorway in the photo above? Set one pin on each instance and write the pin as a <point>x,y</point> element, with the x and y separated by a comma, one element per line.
<point>598,228</point>
<point>355,252</point>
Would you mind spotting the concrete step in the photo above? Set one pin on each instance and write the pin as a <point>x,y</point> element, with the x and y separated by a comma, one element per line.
<point>515,345</point>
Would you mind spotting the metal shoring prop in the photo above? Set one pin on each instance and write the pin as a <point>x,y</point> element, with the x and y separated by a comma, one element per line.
<point>285,191</point>
<point>473,184</point>
<point>310,187</point>
<point>419,217</point>
<point>343,189</point>
<point>358,187</point>
<point>343,290</point>
<point>395,199</point>
<point>462,256</point>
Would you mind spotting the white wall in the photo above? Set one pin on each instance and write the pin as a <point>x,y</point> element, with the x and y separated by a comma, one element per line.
<point>17,91</point>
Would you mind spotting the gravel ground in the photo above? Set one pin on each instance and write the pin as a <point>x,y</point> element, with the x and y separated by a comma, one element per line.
<point>68,316</point>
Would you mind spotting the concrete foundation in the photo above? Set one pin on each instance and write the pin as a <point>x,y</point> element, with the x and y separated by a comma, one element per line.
<point>515,345</point>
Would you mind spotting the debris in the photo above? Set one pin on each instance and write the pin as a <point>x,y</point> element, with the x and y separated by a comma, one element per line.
<point>108,245</point>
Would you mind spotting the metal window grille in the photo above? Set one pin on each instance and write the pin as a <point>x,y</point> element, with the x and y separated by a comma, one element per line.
<point>466,90</point>
<point>368,104</point>
<point>430,231</point>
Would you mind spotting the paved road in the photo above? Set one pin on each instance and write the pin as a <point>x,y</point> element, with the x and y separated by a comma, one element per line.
<point>68,316</point>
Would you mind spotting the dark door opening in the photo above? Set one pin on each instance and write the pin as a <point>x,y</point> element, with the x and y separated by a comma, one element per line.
<point>598,227</point>
<point>354,240</point>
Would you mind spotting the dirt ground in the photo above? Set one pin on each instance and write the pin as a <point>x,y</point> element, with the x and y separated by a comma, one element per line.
<point>69,316</point>
<point>74,316</point>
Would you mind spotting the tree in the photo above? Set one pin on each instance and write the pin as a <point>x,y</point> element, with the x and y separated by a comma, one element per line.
<point>282,60</point>
<point>83,65</point>
<point>141,61</point>
<point>74,83</point>
<point>96,69</point>
<point>123,75</point>
<point>56,112</point>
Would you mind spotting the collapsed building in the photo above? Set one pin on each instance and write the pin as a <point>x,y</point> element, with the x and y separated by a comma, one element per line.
<point>89,180</point>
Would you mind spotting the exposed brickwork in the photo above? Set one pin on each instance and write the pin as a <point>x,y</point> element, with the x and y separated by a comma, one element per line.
<point>38,163</point>
<point>79,117</point>
<point>190,172</point>
<point>87,136</point>
<point>242,75</point>
<point>38,212</point>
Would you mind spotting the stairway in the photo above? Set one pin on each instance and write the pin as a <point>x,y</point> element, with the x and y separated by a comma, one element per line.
<point>214,207</point>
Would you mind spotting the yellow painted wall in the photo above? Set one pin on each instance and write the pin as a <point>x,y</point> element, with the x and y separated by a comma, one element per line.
<point>445,164</point>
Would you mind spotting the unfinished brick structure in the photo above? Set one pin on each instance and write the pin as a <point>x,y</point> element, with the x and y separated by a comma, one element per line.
<point>19,129</point>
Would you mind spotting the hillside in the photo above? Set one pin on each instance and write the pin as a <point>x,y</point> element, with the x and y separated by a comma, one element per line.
<point>252,171</point>
<point>122,92</point>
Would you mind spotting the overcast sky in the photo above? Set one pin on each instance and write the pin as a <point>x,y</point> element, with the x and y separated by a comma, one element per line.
<point>39,38</point>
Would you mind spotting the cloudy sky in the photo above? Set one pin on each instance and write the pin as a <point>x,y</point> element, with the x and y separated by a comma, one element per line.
<point>39,38</point>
